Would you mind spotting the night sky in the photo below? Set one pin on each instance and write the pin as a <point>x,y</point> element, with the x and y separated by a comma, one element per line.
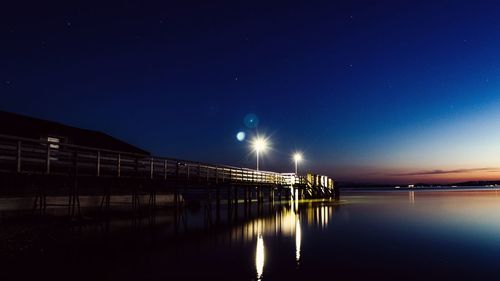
<point>369,91</point>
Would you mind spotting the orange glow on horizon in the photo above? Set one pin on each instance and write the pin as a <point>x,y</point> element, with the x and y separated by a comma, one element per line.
<point>415,175</point>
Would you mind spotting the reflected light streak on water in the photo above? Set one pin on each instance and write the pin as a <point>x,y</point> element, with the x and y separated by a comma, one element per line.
<point>284,223</point>
<point>259,257</point>
<point>298,240</point>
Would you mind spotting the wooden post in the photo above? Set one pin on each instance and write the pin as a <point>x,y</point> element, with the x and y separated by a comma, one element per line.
<point>48,159</point>
<point>229,207</point>
<point>75,163</point>
<point>207,171</point>
<point>151,168</point>
<point>19,156</point>
<point>98,163</point>
<point>245,205</point>
<point>165,170</point>
<point>199,173</point>
<point>118,164</point>
<point>186,185</point>
<point>74,198</point>
<point>235,202</point>
<point>176,185</point>
<point>216,175</point>
<point>136,167</point>
<point>176,197</point>
<point>236,195</point>
<point>177,170</point>
<point>217,203</point>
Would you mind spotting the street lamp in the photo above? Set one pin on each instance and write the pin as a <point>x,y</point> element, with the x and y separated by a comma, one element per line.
<point>259,145</point>
<point>297,157</point>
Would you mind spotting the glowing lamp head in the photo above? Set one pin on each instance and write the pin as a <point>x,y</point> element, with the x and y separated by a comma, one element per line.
<point>297,157</point>
<point>259,144</point>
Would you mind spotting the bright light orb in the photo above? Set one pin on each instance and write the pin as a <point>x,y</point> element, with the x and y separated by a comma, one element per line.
<point>240,136</point>
<point>297,157</point>
<point>260,144</point>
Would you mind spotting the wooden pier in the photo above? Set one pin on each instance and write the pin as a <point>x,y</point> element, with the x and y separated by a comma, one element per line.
<point>40,169</point>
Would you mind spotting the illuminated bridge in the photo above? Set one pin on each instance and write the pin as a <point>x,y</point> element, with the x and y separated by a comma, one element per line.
<point>39,169</point>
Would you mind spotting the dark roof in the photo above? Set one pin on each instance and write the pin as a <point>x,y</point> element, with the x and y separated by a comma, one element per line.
<point>28,127</point>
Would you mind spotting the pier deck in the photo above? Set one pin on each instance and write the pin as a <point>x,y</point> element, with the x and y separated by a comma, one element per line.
<point>40,168</point>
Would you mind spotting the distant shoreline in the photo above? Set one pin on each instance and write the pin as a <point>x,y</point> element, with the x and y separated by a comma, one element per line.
<point>428,188</point>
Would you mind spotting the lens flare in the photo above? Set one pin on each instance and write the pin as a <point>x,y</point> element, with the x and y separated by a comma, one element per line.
<point>251,120</point>
<point>240,136</point>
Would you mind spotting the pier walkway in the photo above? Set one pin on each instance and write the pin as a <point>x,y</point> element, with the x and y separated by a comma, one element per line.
<point>38,168</point>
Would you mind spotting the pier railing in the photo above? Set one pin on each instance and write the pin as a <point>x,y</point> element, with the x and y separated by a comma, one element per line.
<point>31,156</point>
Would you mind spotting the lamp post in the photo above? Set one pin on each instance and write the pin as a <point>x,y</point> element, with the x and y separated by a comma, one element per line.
<point>259,145</point>
<point>297,157</point>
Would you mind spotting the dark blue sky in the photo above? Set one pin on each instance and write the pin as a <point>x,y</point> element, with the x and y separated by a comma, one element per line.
<point>368,90</point>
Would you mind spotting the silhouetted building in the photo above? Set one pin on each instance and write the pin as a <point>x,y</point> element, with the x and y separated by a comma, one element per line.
<point>33,128</point>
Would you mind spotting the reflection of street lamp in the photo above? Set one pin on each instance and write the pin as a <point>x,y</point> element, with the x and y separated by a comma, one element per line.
<point>297,157</point>
<point>259,257</point>
<point>259,145</point>
<point>298,240</point>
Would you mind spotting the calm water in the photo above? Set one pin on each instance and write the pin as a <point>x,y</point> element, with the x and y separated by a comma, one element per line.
<point>418,235</point>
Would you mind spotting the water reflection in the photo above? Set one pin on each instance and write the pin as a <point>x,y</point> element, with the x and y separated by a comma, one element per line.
<point>257,240</point>
<point>445,235</point>
<point>259,257</point>
<point>298,240</point>
<point>411,197</point>
<point>286,222</point>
